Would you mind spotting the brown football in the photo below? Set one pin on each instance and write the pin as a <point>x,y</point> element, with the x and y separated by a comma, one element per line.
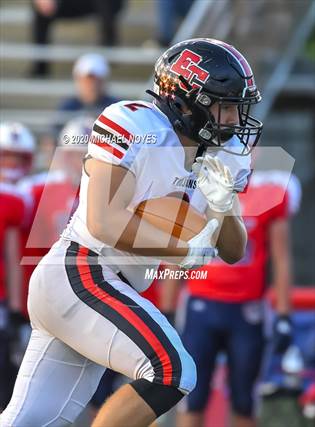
<point>172,215</point>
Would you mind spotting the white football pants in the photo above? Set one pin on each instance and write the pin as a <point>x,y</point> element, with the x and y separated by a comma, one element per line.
<point>84,319</point>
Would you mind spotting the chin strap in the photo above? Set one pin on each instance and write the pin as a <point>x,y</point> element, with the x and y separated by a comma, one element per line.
<point>201,149</point>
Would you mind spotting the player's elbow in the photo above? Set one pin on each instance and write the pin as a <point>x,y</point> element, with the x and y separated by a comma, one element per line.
<point>232,245</point>
<point>97,230</point>
<point>234,254</point>
<point>231,259</point>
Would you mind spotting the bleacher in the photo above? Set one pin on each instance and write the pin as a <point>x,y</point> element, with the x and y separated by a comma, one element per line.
<point>36,99</point>
<point>270,35</point>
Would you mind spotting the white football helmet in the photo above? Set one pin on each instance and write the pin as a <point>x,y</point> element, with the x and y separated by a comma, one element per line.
<point>17,146</point>
<point>16,137</point>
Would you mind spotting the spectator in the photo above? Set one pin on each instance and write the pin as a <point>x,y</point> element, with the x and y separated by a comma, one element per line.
<point>47,11</point>
<point>169,11</point>
<point>90,72</point>
<point>224,311</point>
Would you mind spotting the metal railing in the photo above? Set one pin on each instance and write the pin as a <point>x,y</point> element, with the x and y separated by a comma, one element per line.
<point>281,72</point>
<point>216,19</point>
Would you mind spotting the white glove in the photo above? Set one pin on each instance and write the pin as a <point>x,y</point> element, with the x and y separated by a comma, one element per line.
<point>200,252</point>
<point>215,181</point>
<point>239,165</point>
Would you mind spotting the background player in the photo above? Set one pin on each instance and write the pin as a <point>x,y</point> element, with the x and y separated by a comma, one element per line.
<point>16,149</point>
<point>53,196</point>
<point>225,312</point>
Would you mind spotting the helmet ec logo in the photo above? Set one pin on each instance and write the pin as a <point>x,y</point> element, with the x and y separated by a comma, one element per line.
<point>187,66</point>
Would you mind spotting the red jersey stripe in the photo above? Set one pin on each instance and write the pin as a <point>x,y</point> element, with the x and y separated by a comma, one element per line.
<point>116,127</point>
<point>124,311</point>
<point>109,148</point>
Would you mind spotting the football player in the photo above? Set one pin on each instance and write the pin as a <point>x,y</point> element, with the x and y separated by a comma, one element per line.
<point>16,149</point>
<point>17,146</point>
<point>53,196</point>
<point>224,312</point>
<point>84,302</point>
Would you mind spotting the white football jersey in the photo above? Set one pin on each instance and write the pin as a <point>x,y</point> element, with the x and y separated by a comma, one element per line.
<point>150,149</point>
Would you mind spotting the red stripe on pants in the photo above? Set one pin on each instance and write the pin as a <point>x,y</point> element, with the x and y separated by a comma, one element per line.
<point>126,312</point>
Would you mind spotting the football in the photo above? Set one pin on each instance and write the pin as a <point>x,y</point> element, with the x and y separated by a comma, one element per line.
<point>172,215</point>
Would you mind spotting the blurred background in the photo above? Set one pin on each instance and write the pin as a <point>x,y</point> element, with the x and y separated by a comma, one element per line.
<point>60,60</point>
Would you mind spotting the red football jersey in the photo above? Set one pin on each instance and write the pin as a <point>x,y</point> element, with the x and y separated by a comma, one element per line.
<point>261,204</point>
<point>53,202</point>
<point>11,215</point>
<point>152,293</point>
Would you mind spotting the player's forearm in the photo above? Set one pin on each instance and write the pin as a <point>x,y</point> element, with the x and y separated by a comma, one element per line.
<point>232,239</point>
<point>109,220</point>
<point>281,263</point>
<point>127,232</point>
<point>282,286</point>
<point>13,267</point>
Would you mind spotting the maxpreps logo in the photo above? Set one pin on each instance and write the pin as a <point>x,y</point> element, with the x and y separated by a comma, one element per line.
<point>187,66</point>
<point>179,274</point>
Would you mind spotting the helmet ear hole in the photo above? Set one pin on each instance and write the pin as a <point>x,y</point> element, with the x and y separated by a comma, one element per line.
<point>179,105</point>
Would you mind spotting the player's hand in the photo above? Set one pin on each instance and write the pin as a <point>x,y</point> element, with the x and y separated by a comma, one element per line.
<point>200,250</point>
<point>215,181</point>
<point>240,166</point>
<point>282,333</point>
